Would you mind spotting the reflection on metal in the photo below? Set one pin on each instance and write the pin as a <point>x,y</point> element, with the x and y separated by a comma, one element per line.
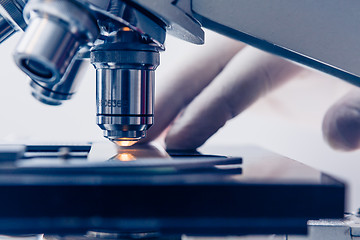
<point>142,152</point>
<point>125,143</point>
<point>103,151</point>
<point>125,157</point>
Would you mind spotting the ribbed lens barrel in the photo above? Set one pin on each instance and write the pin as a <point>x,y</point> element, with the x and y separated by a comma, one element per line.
<point>56,31</point>
<point>6,30</point>
<point>125,75</point>
<point>46,50</point>
<point>56,93</point>
<point>125,102</point>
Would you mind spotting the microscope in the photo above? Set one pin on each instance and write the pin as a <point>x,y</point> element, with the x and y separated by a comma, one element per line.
<point>122,42</point>
<point>122,39</point>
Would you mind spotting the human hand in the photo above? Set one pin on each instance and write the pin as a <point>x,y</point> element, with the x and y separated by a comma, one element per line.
<point>218,82</point>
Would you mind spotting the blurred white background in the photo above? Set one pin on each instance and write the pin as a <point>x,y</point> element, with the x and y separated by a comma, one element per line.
<point>287,121</point>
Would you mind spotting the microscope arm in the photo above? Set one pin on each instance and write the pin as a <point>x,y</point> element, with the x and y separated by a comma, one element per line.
<point>321,34</point>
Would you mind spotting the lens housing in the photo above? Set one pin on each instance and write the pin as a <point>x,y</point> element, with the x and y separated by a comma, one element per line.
<point>56,31</point>
<point>125,74</point>
<point>11,18</point>
<point>125,102</point>
<point>6,30</point>
<point>55,94</point>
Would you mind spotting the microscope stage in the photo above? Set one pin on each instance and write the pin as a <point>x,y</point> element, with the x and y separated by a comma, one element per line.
<point>67,190</point>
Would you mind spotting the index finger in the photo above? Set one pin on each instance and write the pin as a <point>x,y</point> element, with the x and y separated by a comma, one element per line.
<point>184,81</point>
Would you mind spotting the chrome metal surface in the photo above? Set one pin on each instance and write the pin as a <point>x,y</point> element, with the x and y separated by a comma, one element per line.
<point>46,58</point>
<point>102,151</point>
<point>124,102</point>
<point>113,12</point>
<point>130,91</point>
<point>56,31</point>
<point>125,85</point>
<point>11,18</point>
<point>177,20</point>
<point>347,228</point>
<point>81,20</point>
<point>125,60</point>
<point>56,93</point>
<point>6,30</point>
<point>12,10</point>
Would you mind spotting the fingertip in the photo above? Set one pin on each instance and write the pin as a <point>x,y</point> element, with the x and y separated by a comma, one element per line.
<point>180,140</point>
<point>153,133</point>
<point>341,125</point>
<point>186,133</point>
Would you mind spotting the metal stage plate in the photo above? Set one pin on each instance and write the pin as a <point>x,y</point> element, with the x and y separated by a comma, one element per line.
<point>71,190</point>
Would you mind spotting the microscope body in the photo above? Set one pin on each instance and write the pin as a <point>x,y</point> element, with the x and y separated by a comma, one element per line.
<point>123,39</point>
